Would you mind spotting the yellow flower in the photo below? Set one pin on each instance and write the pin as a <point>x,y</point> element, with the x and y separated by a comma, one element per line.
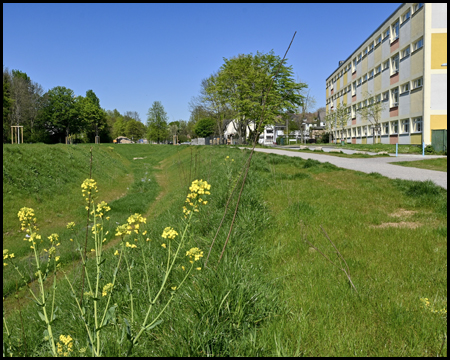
<point>228,157</point>
<point>117,252</point>
<point>65,346</point>
<point>148,239</point>
<point>198,268</point>
<point>174,287</point>
<point>183,268</point>
<point>71,225</point>
<point>71,239</point>
<point>92,250</point>
<point>163,245</point>
<point>107,288</point>
<point>169,233</point>
<point>57,258</point>
<point>194,252</point>
<point>145,232</point>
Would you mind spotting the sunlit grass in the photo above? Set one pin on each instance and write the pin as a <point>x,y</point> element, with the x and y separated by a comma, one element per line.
<point>272,294</point>
<point>439,164</point>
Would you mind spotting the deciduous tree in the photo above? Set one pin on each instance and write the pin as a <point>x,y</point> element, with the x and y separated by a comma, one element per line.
<point>157,123</point>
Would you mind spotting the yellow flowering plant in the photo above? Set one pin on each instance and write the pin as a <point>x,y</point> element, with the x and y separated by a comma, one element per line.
<point>46,312</point>
<point>95,291</point>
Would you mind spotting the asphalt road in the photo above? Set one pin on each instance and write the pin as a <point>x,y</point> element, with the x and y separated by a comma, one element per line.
<point>377,164</point>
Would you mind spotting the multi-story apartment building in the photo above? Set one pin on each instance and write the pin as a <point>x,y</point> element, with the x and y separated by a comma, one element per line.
<point>403,63</point>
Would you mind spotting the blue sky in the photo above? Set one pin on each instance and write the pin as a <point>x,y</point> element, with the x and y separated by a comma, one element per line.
<point>131,55</point>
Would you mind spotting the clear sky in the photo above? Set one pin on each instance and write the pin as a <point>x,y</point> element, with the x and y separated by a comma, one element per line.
<point>131,55</point>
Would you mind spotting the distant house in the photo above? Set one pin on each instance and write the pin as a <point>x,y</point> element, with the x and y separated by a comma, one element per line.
<point>142,141</point>
<point>122,140</point>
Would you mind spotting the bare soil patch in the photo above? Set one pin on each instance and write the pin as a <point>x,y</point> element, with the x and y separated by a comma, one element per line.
<point>401,224</point>
<point>403,213</point>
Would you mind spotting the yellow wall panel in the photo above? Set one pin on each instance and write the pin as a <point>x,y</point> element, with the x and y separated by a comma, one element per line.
<point>377,84</point>
<point>438,122</point>
<point>417,63</point>
<point>417,24</point>
<point>438,50</point>
<point>364,141</point>
<point>416,101</point>
<point>345,79</point>
<point>364,65</point>
<point>377,55</point>
<point>416,138</point>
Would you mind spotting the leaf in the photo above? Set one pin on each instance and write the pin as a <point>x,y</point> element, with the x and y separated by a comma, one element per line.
<point>41,315</point>
<point>128,328</point>
<point>151,326</point>
<point>110,316</point>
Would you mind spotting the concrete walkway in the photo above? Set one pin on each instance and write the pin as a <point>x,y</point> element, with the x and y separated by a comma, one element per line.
<point>378,164</point>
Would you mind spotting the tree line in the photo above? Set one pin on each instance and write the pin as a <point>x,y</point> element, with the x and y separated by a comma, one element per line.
<point>247,88</point>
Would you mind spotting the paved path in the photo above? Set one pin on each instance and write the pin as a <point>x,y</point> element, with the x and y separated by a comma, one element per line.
<point>377,164</point>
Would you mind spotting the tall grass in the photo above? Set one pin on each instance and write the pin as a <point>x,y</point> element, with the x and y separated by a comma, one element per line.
<point>272,294</point>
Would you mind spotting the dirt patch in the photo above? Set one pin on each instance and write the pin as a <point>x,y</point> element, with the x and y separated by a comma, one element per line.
<point>403,213</point>
<point>403,224</point>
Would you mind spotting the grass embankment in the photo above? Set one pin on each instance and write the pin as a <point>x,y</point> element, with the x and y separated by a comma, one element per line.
<point>47,178</point>
<point>272,294</point>
<point>430,164</point>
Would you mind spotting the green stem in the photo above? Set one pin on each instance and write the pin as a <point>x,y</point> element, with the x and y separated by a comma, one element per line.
<point>114,281</point>
<point>146,274</point>
<point>163,283</point>
<point>131,286</point>
<point>82,316</point>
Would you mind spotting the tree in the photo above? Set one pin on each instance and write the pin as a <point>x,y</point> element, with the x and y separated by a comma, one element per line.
<point>92,116</point>
<point>244,81</point>
<point>342,117</point>
<point>134,129</point>
<point>330,121</point>
<point>308,104</point>
<point>157,123</point>
<point>371,111</point>
<point>205,127</point>
<point>61,113</point>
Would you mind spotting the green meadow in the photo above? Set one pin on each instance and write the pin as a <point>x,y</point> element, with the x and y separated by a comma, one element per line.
<point>316,261</point>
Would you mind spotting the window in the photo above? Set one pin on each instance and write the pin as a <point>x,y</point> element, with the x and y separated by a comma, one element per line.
<point>386,96</point>
<point>378,69</point>
<point>353,111</point>
<point>378,98</point>
<point>364,104</point>
<point>394,97</point>
<point>379,39</point>
<point>406,16</point>
<point>371,47</point>
<point>405,126</point>
<point>365,52</point>
<point>386,33</point>
<point>359,130</point>
<point>359,81</point>
<point>359,57</point>
<point>371,74</point>
<point>354,65</point>
<point>417,7</point>
<point>371,101</point>
<point>418,44</point>
<point>386,65</point>
<point>385,128</point>
<point>405,87</point>
<point>394,62</point>
<point>417,124</point>
<point>365,130</point>
<point>353,132</point>
<point>354,88</point>
<point>395,28</point>
<point>365,78</point>
<point>405,52</point>
<point>417,83</point>
<point>358,106</point>
<point>394,127</point>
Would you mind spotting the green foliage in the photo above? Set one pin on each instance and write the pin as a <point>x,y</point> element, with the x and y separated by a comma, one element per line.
<point>157,123</point>
<point>61,113</point>
<point>205,127</point>
<point>244,83</point>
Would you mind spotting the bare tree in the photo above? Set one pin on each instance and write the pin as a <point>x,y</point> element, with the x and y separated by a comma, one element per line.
<point>309,104</point>
<point>371,110</point>
<point>342,117</point>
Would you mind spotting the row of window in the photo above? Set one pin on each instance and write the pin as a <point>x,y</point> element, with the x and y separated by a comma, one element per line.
<point>391,95</point>
<point>392,63</point>
<point>407,126</point>
<point>392,31</point>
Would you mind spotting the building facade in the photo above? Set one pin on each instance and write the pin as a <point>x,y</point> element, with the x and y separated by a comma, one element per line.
<point>402,64</point>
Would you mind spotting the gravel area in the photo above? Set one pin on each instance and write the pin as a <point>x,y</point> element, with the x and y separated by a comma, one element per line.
<point>377,164</point>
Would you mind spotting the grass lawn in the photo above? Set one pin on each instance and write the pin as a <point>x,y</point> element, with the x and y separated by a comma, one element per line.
<point>271,293</point>
<point>439,164</point>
